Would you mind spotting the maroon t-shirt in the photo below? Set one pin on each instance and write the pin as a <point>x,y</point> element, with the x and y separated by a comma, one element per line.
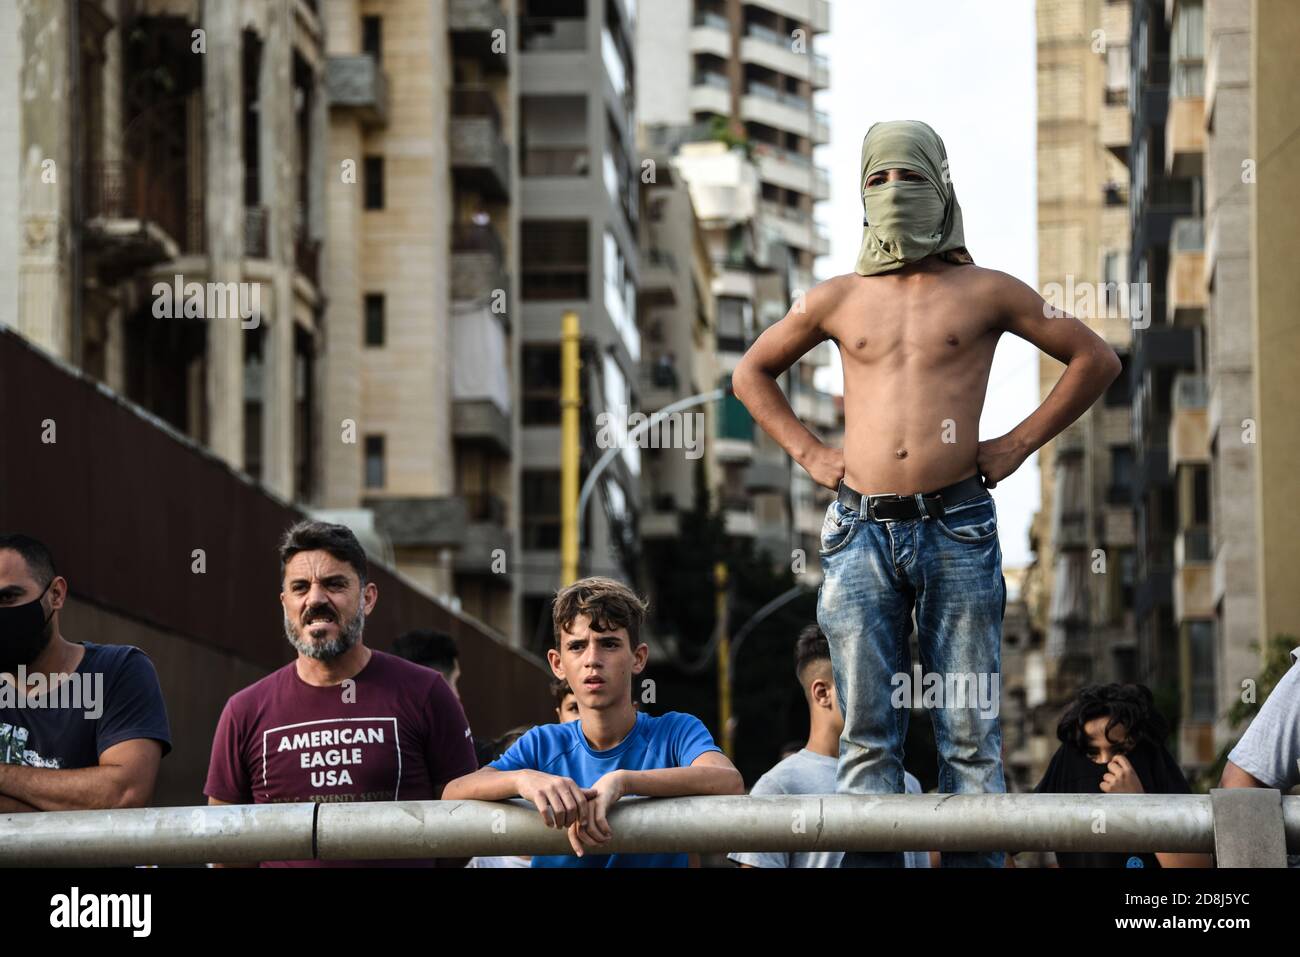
<point>397,734</point>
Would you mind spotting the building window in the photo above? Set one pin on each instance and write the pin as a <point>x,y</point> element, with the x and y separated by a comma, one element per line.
<point>1201,495</point>
<point>541,510</point>
<point>374,461</point>
<point>554,256</point>
<point>1200,649</point>
<point>374,182</point>
<point>372,37</point>
<point>374,319</point>
<point>541,385</point>
<point>1117,391</point>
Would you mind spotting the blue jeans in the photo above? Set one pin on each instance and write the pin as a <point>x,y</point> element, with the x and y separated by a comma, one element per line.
<point>950,570</point>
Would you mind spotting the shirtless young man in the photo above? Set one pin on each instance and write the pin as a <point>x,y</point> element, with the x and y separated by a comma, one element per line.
<point>914,525</point>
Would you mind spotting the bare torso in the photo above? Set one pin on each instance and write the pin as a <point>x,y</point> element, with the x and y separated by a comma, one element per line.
<point>916,346</point>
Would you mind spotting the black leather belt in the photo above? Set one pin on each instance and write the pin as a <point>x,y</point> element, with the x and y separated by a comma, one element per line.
<point>892,507</point>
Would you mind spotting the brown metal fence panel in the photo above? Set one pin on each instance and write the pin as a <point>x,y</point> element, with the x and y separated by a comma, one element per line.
<point>123,502</point>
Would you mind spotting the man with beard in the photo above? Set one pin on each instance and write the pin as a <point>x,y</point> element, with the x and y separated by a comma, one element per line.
<point>82,725</point>
<point>342,722</point>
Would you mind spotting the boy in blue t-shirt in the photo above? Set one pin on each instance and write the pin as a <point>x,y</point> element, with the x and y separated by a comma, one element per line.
<point>575,772</point>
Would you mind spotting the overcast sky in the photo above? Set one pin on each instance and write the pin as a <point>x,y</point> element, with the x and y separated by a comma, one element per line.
<point>969,72</point>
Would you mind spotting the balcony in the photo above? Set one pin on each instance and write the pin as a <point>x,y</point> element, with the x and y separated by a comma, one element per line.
<point>792,226</point>
<point>480,158</point>
<point>472,24</point>
<point>1117,521</point>
<point>738,518</point>
<point>1185,137</point>
<point>821,184</point>
<point>553,34</point>
<point>480,381</point>
<point>710,93</point>
<point>477,262</point>
<point>821,133</point>
<point>421,522</point>
<point>815,13</point>
<point>1193,575</point>
<point>306,255</point>
<point>1162,347</point>
<point>482,422</point>
<point>658,287</point>
<point>816,408</point>
<point>485,533</point>
<point>733,449</point>
<point>135,219</point>
<point>355,82</point>
<point>1116,130</point>
<point>1186,294</point>
<point>821,72</point>
<point>711,33</point>
<point>1115,424</point>
<point>1188,429</point>
<point>767,475</point>
<point>785,111</point>
<point>789,169</point>
<point>1073,440</point>
<point>767,48</point>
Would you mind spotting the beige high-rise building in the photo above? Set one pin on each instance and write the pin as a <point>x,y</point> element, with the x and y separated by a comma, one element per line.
<point>420,413</point>
<point>1078,588</point>
<point>1209,377</point>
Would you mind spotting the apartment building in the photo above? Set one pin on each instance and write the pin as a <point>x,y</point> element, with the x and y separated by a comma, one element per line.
<point>1170,491</point>
<point>423,291</point>
<point>343,170</point>
<point>679,350</point>
<point>736,102</point>
<point>1078,590</point>
<point>169,203</point>
<point>579,223</point>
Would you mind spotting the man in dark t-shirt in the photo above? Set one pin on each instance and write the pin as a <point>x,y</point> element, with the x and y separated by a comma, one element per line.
<point>82,726</point>
<point>342,722</point>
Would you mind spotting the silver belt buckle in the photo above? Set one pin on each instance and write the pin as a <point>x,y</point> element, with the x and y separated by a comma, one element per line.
<point>873,499</point>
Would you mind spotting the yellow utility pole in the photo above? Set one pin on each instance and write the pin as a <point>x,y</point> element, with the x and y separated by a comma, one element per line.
<point>724,656</point>
<point>570,449</point>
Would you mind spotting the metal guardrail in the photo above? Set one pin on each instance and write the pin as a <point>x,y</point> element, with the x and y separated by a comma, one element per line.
<point>1244,827</point>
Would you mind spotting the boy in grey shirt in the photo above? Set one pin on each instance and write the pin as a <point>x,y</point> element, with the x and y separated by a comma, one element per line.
<point>812,770</point>
<point>1268,754</point>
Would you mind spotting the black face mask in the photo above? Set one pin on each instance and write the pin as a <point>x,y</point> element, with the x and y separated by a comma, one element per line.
<point>22,633</point>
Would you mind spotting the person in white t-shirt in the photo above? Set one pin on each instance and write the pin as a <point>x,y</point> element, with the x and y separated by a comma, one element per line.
<point>812,769</point>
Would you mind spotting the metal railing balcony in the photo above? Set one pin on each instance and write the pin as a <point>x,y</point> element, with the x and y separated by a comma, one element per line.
<point>1243,827</point>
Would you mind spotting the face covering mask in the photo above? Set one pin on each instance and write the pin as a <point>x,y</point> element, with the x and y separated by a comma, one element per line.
<point>22,633</point>
<point>907,218</point>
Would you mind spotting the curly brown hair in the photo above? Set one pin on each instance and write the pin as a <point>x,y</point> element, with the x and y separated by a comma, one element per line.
<point>608,603</point>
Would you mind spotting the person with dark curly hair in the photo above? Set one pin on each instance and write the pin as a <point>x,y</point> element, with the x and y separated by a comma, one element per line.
<point>1112,742</point>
